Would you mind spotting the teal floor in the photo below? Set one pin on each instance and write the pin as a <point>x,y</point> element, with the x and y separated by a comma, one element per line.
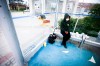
<point>57,55</point>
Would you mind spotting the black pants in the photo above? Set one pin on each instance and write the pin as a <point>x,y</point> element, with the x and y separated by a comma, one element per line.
<point>66,37</point>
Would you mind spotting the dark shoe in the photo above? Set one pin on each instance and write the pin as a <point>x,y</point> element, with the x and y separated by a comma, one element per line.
<point>65,46</point>
<point>62,44</point>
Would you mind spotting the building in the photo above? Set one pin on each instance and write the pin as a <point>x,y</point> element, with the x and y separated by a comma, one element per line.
<point>17,5</point>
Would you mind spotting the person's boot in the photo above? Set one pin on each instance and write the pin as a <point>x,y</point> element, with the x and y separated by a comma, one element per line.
<point>65,46</point>
<point>62,43</point>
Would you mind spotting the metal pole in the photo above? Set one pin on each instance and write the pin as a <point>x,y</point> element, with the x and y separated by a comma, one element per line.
<point>10,52</point>
<point>74,11</point>
<point>31,7</point>
<point>64,6</point>
<point>56,14</point>
<point>43,6</point>
<point>81,11</point>
<point>75,7</point>
<point>8,4</point>
<point>76,24</point>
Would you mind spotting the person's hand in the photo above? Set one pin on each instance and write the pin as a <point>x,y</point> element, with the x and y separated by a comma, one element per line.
<point>66,32</point>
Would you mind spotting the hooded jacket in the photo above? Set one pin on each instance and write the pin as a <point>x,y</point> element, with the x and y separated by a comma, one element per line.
<point>65,24</point>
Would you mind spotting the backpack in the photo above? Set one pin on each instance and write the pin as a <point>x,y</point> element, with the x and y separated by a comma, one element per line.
<point>51,38</point>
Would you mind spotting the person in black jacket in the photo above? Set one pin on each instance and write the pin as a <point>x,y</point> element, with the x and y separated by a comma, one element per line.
<point>64,27</point>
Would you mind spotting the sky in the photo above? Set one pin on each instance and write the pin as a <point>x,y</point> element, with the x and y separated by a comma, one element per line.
<point>90,1</point>
<point>86,1</point>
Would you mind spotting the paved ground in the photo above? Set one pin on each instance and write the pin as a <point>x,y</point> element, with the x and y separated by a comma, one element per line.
<point>57,55</point>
